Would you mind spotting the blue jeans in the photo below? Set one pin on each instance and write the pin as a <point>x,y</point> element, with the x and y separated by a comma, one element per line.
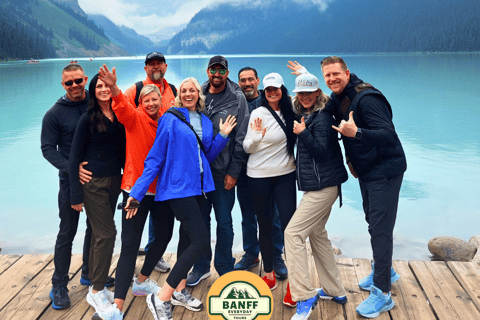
<point>380,203</point>
<point>66,233</point>
<point>249,222</point>
<point>222,201</point>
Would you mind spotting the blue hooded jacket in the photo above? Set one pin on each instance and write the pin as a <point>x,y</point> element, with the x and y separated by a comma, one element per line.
<point>174,158</point>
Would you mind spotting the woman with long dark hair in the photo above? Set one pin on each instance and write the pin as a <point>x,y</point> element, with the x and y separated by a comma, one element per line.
<point>271,166</point>
<point>99,140</point>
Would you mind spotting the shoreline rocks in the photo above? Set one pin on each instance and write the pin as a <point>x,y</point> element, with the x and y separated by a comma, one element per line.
<point>453,249</point>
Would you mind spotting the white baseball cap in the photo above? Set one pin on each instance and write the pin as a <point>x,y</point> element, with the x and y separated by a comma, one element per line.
<point>273,80</point>
<point>306,83</point>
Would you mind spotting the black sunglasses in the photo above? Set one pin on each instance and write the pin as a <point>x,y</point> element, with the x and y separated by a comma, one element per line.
<point>69,83</point>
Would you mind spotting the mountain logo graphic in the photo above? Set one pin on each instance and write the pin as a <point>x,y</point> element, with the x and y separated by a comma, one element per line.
<point>239,295</point>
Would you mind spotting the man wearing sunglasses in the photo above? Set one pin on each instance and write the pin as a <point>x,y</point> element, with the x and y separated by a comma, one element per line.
<point>223,97</point>
<point>58,128</point>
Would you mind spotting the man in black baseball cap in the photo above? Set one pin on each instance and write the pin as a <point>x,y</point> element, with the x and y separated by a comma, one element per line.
<point>223,97</point>
<point>154,56</point>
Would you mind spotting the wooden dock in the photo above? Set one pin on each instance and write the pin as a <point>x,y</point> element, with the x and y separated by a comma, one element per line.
<point>426,290</point>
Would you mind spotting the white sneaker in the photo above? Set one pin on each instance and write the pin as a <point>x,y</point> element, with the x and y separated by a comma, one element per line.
<point>185,299</point>
<point>162,265</point>
<point>160,310</point>
<point>109,294</point>
<point>112,313</point>
<point>141,289</point>
<point>98,300</point>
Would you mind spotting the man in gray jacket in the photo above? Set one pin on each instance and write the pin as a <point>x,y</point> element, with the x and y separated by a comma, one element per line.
<point>223,97</point>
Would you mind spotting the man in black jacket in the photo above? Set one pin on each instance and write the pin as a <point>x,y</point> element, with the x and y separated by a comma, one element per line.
<point>375,156</point>
<point>58,128</point>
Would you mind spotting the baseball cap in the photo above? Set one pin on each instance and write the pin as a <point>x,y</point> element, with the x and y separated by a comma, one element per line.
<point>306,83</point>
<point>153,56</point>
<point>218,60</point>
<point>273,80</point>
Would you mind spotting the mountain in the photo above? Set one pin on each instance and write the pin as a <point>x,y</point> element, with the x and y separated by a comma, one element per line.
<point>48,29</point>
<point>125,37</point>
<point>344,26</point>
<point>239,294</point>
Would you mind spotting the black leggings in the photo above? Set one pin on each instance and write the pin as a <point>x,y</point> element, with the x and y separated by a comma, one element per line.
<point>132,230</point>
<point>194,239</point>
<point>283,190</point>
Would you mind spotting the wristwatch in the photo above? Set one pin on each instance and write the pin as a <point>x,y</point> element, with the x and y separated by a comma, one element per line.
<point>358,134</point>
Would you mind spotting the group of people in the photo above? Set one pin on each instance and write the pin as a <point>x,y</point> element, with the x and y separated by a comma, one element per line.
<point>176,154</point>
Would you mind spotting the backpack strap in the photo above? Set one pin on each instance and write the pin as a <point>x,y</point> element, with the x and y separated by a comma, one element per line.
<point>174,90</point>
<point>180,116</point>
<point>139,86</point>
<point>280,122</point>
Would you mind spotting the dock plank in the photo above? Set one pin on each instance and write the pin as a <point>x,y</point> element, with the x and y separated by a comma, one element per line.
<point>7,260</point>
<point>31,302</point>
<point>468,274</point>
<point>13,280</point>
<point>446,296</point>
<point>410,301</point>
<point>426,291</point>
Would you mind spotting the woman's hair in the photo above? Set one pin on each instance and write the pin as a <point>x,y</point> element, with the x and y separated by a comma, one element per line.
<point>319,104</point>
<point>201,97</point>
<point>147,89</point>
<point>98,121</point>
<point>287,111</point>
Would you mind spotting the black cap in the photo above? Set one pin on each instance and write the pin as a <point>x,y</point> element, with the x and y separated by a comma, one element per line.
<point>154,56</point>
<point>218,60</point>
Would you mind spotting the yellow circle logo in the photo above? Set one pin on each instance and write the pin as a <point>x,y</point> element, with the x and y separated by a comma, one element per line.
<point>239,295</point>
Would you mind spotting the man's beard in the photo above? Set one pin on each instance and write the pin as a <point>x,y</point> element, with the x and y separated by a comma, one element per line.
<point>249,93</point>
<point>157,76</point>
<point>222,83</point>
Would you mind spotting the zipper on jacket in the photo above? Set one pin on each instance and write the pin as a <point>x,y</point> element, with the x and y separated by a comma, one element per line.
<point>316,172</point>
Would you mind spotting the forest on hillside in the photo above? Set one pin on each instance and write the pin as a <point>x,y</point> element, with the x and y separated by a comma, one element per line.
<point>21,36</point>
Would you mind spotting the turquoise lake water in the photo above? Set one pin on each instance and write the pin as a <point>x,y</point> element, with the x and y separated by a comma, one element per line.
<point>436,108</point>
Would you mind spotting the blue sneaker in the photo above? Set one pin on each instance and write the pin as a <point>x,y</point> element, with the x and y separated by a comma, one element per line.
<point>60,299</point>
<point>247,262</point>
<point>194,277</point>
<point>305,308</point>
<point>280,268</point>
<point>367,282</point>
<point>85,281</point>
<point>376,303</point>
<point>337,299</point>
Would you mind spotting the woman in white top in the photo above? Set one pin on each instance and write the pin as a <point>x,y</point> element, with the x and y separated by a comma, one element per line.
<point>271,165</point>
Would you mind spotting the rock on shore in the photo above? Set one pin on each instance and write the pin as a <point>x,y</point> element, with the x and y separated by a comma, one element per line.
<point>451,249</point>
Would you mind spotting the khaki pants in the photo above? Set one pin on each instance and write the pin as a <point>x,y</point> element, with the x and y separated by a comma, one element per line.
<point>309,222</point>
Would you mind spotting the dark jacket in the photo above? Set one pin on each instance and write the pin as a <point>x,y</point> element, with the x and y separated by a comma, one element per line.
<point>319,158</point>
<point>58,129</point>
<point>104,152</point>
<point>232,158</point>
<point>379,153</point>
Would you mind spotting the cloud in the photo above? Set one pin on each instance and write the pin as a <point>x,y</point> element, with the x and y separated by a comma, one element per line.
<point>161,19</point>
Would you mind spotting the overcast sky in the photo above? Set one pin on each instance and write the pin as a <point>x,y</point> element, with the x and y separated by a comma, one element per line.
<point>160,19</point>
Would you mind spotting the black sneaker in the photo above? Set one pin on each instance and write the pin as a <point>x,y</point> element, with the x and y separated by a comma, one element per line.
<point>60,299</point>
<point>85,280</point>
<point>280,268</point>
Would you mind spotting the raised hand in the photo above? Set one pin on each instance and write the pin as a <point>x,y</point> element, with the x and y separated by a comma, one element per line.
<point>347,128</point>
<point>256,125</point>
<point>228,126</point>
<point>295,67</point>
<point>299,127</point>
<point>107,76</point>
